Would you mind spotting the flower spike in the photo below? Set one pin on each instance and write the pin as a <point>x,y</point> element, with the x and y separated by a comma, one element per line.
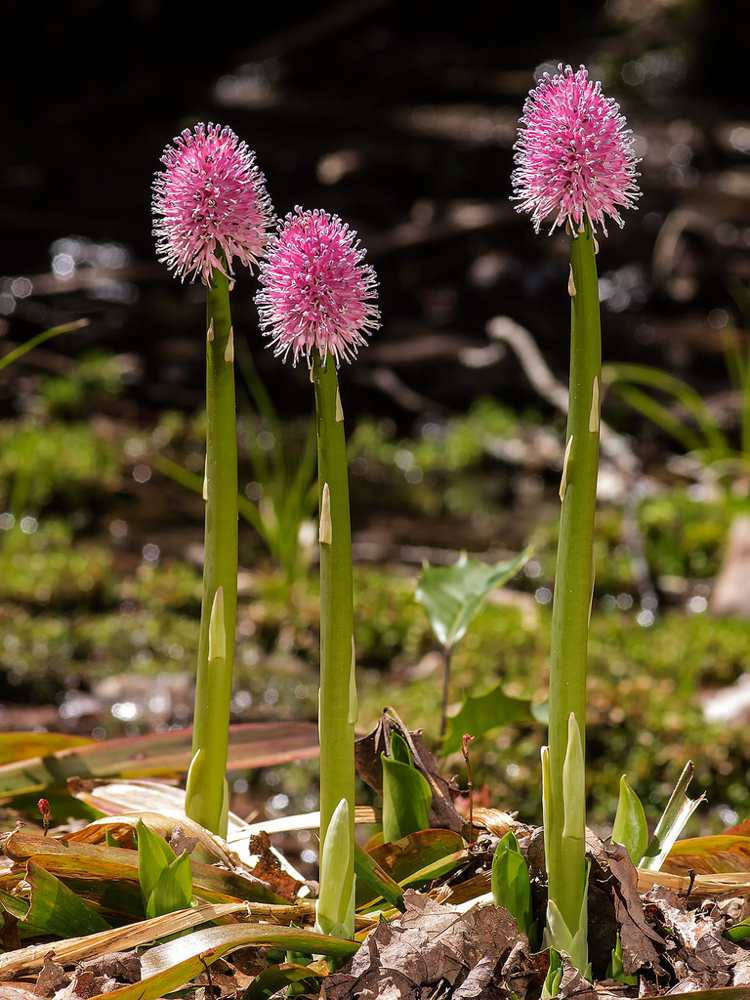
<point>210,204</point>
<point>574,155</point>
<point>316,292</point>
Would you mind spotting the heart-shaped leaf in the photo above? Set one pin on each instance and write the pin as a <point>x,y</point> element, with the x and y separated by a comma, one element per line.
<point>483,713</point>
<point>452,595</point>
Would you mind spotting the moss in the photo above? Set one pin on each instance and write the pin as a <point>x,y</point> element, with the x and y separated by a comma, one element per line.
<point>69,464</point>
<point>39,565</point>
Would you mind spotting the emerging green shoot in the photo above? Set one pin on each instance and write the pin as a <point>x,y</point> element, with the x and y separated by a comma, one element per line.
<point>407,795</point>
<point>165,878</point>
<point>335,906</point>
<point>452,596</point>
<point>511,886</point>
<point>630,828</point>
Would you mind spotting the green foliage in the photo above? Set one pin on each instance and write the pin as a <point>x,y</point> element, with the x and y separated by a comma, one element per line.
<point>461,443</point>
<point>373,882</point>
<point>453,595</point>
<point>483,714</point>
<point>630,827</point>
<point>511,886</point>
<point>95,378</point>
<point>40,565</point>
<point>334,910</point>
<point>60,462</point>
<point>407,795</point>
<point>616,968</point>
<point>553,978</point>
<point>165,878</point>
<point>53,908</point>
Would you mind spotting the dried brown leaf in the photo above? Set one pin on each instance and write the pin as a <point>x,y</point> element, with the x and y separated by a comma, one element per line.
<point>429,944</point>
<point>51,977</point>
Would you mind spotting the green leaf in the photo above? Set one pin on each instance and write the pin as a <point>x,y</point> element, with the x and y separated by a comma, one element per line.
<point>453,595</point>
<point>511,886</point>
<point>154,855</point>
<point>553,978</point>
<point>481,714</point>
<point>166,880</point>
<point>169,966</point>
<point>374,883</point>
<point>403,858</point>
<point>334,911</point>
<point>630,828</point>
<point>678,811</point>
<point>407,795</point>
<point>95,863</point>
<point>739,932</point>
<point>173,890</point>
<point>276,977</point>
<point>54,908</point>
<point>616,969</point>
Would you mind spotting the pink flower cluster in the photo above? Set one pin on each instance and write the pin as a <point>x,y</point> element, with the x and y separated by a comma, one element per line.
<point>316,292</point>
<point>210,204</point>
<point>574,154</point>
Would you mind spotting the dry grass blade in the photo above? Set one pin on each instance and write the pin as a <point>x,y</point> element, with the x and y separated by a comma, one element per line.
<point>734,883</point>
<point>158,755</point>
<point>302,821</point>
<point>715,855</point>
<point>208,847</point>
<point>26,960</point>
<point>94,862</point>
<point>171,965</point>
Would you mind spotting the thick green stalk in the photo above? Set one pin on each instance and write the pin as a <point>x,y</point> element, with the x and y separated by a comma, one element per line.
<point>206,799</point>
<point>338,698</point>
<point>574,579</point>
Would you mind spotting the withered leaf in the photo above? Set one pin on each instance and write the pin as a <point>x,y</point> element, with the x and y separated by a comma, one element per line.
<point>51,977</point>
<point>429,944</point>
<point>369,767</point>
<point>268,868</point>
<point>640,942</point>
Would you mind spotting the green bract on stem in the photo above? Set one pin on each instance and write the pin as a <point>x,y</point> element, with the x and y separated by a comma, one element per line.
<point>206,799</point>
<point>574,581</point>
<point>338,697</point>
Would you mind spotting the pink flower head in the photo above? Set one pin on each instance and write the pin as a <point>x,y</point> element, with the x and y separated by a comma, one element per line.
<point>316,293</point>
<point>574,154</point>
<point>210,203</point>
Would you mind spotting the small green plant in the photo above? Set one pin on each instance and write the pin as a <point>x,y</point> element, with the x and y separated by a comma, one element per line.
<point>407,796</point>
<point>334,909</point>
<point>630,828</point>
<point>452,596</point>
<point>165,877</point>
<point>511,885</point>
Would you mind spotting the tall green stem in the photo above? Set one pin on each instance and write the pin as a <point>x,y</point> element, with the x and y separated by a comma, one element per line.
<point>338,699</point>
<point>574,579</point>
<point>206,799</point>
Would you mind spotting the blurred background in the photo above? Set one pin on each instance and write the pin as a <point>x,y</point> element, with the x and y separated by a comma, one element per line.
<point>400,117</point>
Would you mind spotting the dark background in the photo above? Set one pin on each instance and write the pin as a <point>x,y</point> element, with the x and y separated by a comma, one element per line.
<point>401,117</point>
